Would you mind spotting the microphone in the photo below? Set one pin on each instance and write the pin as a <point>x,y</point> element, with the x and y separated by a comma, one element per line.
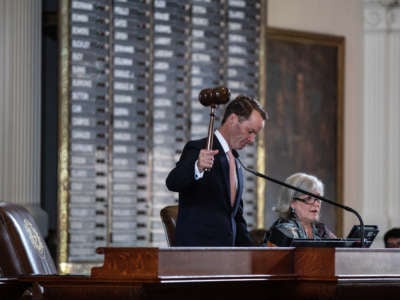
<point>214,96</point>
<point>362,232</point>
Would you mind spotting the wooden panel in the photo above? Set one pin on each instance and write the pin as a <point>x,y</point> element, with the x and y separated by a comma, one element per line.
<point>306,263</point>
<point>374,262</point>
<point>228,273</point>
<point>225,261</point>
<point>86,288</point>
<point>170,263</point>
<point>132,263</point>
<point>315,262</point>
<point>11,288</point>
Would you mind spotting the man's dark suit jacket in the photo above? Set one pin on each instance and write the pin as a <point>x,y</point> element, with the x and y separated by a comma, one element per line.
<point>206,217</point>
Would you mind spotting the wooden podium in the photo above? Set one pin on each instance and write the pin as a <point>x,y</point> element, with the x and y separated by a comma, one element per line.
<point>230,273</point>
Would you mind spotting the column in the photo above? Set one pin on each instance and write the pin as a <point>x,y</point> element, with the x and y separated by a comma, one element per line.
<point>20,105</point>
<point>380,114</point>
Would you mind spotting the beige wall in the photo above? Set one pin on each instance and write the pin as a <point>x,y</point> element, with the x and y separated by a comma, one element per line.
<point>342,18</point>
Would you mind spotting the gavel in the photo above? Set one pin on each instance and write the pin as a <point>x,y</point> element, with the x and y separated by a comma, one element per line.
<point>213,97</point>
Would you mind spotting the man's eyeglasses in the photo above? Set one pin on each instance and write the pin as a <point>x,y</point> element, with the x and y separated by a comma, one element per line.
<point>307,200</point>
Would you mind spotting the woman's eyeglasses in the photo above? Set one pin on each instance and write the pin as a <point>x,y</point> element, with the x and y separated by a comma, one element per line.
<point>307,200</point>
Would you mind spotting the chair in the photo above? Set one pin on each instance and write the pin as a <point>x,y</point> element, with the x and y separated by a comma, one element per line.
<point>168,217</point>
<point>170,213</point>
<point>22,248</point>
<point>259,236</point>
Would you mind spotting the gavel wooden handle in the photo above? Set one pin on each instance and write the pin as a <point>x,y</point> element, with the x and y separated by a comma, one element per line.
<point>210,137</point>
<point>211,128</point>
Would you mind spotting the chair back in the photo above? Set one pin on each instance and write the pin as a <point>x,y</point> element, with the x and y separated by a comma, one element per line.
<point>22,248</point>
<point>259,236</point>
<point>169,215</point>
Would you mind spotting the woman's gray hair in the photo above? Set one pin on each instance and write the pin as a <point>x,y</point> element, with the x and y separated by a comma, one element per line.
<point>303,181</point>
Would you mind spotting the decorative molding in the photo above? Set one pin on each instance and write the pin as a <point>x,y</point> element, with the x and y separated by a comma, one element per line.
<point>34,237</point>
<point>380,16</point>
<point>393,18</point>
<point>374,17</point>
<point>388,3</point>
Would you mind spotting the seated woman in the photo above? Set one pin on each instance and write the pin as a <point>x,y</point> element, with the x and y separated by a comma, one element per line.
<point>299,213</point>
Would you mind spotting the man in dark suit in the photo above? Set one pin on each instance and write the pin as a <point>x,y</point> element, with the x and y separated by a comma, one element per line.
<point>210,189</point>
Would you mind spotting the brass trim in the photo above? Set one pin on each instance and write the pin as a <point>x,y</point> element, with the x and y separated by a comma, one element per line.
<point>63,133</point>
<point>260,183</point>
<point>81,268</point>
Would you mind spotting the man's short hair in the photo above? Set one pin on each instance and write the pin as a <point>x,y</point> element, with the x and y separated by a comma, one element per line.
<point>242,106</point>
<point>391,233</point>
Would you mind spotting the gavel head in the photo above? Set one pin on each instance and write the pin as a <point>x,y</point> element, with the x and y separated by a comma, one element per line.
<point>214,96</point>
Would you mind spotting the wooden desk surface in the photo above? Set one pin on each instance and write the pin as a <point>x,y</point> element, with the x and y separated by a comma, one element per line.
<point>156,264</point>
<point>234,273</point>
<point>172,263</point>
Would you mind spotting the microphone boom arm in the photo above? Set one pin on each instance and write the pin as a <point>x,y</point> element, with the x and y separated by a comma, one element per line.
<point>362,233</point>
